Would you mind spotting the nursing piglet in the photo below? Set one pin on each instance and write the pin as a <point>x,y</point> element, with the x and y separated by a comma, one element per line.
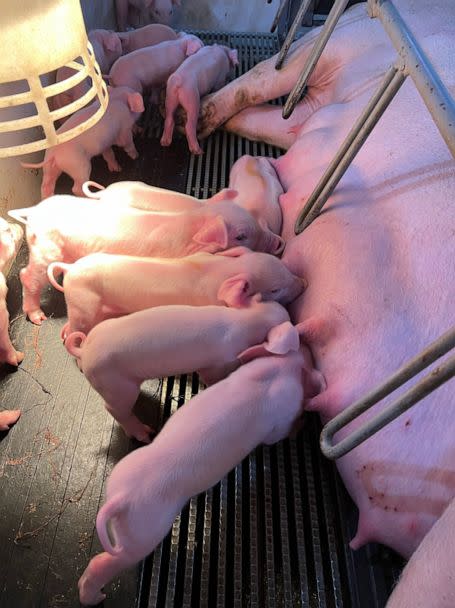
<point>198,445</point>
<point>149,35</point>
<point>66,228</point>
<point>119,354</point>
<point>10,236</point>
<point>114,128</point>
<point>201,73</point>
<point>258,188</point>
<point>107,47</point>
<point>150,67</point>
<point>102,285</point>
<point>151,198</point>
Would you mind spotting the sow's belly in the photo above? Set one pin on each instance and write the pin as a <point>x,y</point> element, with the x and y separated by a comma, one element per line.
<point>381,286</point>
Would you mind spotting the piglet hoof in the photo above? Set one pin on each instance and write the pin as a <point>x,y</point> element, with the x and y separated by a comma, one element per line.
<point>87,596</point>
<point>12,357</point>
<point>165,141</point>
<point>36,316</point>
<point>137,429</point>
<point>7,418</point>
<point>197,151</point>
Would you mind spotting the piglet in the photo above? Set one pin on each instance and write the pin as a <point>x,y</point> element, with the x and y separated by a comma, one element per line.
<point>114,128</point>
<point>258,403</point>
<point>103,285</point>
<point>150,67</point>
<point>65,228</point>
<point>131,12</point>
<point>149,35</point>
<point>107,47</point>
<point>198,75</point>
<point>10,237</point>
<point>258,188</point>
<point>151,198</point>
<point>119,354</point>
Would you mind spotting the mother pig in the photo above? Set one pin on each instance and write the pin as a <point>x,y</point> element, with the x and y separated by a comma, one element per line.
<point>379,260</point>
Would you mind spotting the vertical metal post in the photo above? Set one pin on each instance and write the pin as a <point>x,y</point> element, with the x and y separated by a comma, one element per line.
<point>278,15</point>
<point>332,19</point>
<point>388,88</point>
<point>291,34</point>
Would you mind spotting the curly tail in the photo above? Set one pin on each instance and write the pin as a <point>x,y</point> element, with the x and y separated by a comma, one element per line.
<point>114,506</point>
<point>61,267</point>
<point>74,343</point>
<point>90,184</point>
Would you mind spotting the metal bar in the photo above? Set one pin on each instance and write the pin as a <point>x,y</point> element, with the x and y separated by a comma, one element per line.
<point>328,27</point>
<point>437,376</point>
<point>373,111</point>
<point>303,8</point>
<point>278,15</point>
<point>435,95</point>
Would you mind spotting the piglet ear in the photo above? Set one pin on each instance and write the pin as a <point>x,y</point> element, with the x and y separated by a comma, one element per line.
<point>234,252</point>
<point>233,57</point>
<point>112,42</point>
<point>282,338</point>
<point>235,291</point>
<point>253,352</point>
<point>213,232</point>
<point>226,194</point>
<point>192,46</point>
<point>135,102</point>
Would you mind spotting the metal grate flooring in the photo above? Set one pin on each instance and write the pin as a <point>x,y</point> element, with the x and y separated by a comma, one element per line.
<point>273,533</point>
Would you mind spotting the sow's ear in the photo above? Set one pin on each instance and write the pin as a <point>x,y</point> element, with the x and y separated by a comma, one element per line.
<point>135,102</point>
<point>235,291</point>
<point>280,340</point>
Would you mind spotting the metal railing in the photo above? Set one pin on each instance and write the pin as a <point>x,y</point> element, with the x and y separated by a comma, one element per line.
<point>413,62</point>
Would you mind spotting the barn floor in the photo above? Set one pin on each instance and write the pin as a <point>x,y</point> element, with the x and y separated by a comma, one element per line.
<point>273,533</point>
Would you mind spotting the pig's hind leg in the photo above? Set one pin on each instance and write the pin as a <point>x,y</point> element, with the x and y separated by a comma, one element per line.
<point>101,569</point>
<point>172,102</point>
<point>34,278</point>
<point>191,102</point>
<point>125,141</point>
<point>120,395</point>
<point>111,161</point>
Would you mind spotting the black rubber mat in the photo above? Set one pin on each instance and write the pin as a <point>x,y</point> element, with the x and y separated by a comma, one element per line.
<point>273,533</point>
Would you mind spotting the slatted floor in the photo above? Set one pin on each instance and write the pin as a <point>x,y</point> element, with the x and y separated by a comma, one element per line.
<point>273,533</point>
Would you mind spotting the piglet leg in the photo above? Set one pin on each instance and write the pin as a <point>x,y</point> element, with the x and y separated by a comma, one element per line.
<point>101,569</point>
<point>8,354</point>
<point>7,418</point>
<point>120,395</point>
<point>33,278</point>
<point>172,102</point>
<point>126,142</point>
<point>111,161</point>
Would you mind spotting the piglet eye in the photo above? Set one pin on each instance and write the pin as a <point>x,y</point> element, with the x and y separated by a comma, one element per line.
<point>274,291</point>
<point>241,237</point>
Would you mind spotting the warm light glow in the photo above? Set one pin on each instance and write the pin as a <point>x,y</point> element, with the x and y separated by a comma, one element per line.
<point>42,36</point>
